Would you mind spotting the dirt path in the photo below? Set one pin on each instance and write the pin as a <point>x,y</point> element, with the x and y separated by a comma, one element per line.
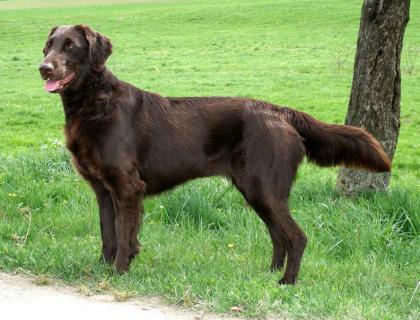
<point>20,298</point>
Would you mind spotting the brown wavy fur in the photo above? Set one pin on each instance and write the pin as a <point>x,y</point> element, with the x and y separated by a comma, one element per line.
<point>331,145</point>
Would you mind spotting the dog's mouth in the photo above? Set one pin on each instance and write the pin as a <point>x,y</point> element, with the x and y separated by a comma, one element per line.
<point>60,84</point>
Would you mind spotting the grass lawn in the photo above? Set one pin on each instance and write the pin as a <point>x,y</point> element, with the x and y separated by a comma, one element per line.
<point>201,244</point>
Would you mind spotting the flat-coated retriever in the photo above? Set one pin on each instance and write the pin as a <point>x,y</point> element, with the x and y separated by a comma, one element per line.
<point>129,143</point>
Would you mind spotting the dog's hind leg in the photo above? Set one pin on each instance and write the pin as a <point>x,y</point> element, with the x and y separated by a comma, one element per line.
<point>265,181</point>
<point>279,250</point>
<point>284,231</point>
<point>295,239</point>
<point>277,239</point>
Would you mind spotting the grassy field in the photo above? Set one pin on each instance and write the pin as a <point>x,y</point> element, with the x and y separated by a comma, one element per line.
<point>201,245</point>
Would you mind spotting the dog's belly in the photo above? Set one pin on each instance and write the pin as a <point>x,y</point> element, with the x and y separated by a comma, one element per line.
<point>161,179</point>
<point>170,169</point>
<point>158,186</point>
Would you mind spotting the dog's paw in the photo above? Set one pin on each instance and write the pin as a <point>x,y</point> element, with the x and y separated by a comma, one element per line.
<point>121,264</point>
<point>287,281</point>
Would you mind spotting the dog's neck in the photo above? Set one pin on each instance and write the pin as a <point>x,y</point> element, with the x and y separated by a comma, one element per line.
<point>82,98</point>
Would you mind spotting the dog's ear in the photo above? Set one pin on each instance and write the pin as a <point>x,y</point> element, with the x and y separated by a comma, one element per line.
<point>53,30</point>
<point>100,47</point>
<point>49,36</point>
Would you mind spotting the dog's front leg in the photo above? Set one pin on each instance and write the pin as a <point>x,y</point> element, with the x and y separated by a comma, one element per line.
<point>127,192</point>
<point>107,220</point>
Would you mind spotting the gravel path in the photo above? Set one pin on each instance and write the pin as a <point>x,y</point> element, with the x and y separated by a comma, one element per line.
<point>20,298</point>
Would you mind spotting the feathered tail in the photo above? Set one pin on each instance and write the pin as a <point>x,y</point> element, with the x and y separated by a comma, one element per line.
<point>330,145</point>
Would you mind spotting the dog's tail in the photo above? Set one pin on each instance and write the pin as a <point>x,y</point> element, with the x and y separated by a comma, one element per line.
<point>330,145</point>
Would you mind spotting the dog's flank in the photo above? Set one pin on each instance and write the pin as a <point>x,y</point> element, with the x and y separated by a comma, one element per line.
<point>129,143</point>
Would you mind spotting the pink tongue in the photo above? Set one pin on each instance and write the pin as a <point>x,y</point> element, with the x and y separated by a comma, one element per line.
<point>52,85</point>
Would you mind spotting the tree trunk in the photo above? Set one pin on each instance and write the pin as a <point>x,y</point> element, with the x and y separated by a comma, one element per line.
<point>376,88</point>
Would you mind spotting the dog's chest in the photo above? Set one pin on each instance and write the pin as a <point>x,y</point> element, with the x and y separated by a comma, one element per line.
<point>83,144</point>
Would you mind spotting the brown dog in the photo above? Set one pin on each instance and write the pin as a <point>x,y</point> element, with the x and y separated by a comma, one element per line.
<point>129,143</point>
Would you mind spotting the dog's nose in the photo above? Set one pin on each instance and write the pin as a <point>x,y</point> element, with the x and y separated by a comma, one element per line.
<point>46,69</point>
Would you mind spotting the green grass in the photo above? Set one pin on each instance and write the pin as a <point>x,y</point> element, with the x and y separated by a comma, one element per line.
<point>201,244</point>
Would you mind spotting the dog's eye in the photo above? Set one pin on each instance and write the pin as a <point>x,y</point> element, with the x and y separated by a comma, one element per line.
<point>47,47</point>
<point>68,45</point>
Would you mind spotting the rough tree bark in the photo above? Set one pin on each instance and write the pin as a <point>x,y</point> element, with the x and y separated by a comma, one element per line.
<point>376,88</point>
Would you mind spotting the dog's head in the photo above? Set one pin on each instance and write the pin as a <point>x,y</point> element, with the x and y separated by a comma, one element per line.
<point>70,54</point>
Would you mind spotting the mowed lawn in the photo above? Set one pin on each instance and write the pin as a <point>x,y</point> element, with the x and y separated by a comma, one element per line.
<point>202,246</point>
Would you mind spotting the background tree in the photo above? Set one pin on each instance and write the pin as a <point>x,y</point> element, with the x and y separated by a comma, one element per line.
<point>376,88</point>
